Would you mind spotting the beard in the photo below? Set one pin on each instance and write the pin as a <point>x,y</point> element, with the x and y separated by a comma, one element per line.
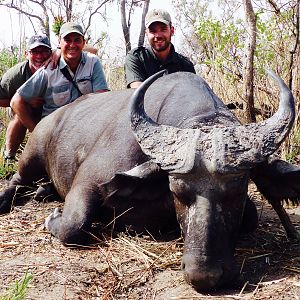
<point>160,45</point>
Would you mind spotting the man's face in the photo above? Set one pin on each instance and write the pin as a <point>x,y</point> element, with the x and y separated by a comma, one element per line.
<point>71,46</point>
<point>159,36</point>
<point>37,56</point>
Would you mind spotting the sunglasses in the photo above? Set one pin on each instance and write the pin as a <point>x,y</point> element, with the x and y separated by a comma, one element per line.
<point>37,52</point>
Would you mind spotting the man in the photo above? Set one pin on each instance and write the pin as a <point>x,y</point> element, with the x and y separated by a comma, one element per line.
<point>141,63</point>
<point>38,51</point>
<point>77,73</point>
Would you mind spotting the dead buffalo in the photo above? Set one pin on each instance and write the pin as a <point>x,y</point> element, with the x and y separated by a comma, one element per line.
<point>196,167</point>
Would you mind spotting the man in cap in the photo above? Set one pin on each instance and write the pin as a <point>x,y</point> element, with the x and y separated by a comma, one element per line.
<point>77,73</point>
<point>37,53</point>
<point>142,62</point>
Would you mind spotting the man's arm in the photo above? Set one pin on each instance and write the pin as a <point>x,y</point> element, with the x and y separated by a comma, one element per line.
<point>4,102</point>
<point>53,59</point>
<point>29,96</point>
<point>4,96</point>
<point>102,91</point>
<point>23,110</point>
<point>134,71</point>
<point>135,84</point>
<point>11,80</point>
<point>99,83</point>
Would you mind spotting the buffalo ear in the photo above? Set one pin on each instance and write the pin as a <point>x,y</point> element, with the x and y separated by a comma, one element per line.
<point>277,180</point>
<point>143,177</point>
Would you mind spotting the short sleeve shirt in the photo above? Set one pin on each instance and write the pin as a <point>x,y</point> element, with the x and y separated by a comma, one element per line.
<point>13,78</point>
<point>141,63</point>
<point>57,90</point>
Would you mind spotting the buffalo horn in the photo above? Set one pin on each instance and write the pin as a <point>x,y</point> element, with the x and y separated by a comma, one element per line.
<point>170,147</point>
<point>241,147</point>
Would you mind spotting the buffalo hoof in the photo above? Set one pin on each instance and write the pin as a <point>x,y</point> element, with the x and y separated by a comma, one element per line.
<point>68,232</point>
<point>51,218</point>
<point>6,199</point>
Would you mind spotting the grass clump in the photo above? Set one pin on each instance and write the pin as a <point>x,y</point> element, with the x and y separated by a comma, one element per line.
<point>6,168</point>
<point>19,289</point>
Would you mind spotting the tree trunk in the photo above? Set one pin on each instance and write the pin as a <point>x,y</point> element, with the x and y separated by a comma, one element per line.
<point>125,27</point>
<point>69,9</point>
<point>295,49</point>
<point>249,58</point>
<point>142,32</point>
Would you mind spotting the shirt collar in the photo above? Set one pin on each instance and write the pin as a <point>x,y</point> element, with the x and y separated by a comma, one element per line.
<point>62,62</point>
<point>171,56</point>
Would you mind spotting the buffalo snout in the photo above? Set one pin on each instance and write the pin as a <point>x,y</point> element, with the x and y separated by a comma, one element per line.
<point>205,274</point>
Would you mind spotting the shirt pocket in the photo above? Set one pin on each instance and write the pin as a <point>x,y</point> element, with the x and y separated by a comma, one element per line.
<point>61,95</point>
<point>85,85</point>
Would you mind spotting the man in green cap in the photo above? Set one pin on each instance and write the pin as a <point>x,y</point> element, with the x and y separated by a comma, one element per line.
<point>142,62</point>
<point>37,53</point>
<point>77,73</point>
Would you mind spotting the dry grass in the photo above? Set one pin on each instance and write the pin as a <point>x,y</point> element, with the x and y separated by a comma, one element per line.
<point>126,267</point>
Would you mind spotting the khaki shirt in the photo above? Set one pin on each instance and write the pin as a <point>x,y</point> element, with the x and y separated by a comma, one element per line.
<point>57,90</point>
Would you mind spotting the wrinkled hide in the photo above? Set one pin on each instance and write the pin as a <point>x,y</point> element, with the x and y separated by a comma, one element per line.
<point>191,171</point>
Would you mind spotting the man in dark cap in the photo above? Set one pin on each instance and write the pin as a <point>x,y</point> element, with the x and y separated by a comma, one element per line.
<point>142,62</point>
<point>77,73</point>
<point>38,51</point>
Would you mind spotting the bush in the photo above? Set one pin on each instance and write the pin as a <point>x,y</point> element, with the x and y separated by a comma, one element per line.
<point>7,60</point>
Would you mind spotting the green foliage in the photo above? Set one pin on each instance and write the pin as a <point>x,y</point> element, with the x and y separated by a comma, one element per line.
<point>19,289</point>
<point>221,40</point>
<point>7,169</point>
<point>57,23</point>
<point>292,149</point>
<point>7,60</point>
<point>221,43</point>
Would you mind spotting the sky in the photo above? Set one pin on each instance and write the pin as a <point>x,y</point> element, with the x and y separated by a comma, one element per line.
<point>12,28</point>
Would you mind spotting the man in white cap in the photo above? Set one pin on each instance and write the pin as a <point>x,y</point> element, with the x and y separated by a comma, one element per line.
<point>77,73</point>
<point>142,62</point>
<point>37,53</point>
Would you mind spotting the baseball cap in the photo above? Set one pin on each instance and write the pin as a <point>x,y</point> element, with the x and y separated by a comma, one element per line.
<point>157,15</point>
<point>38,40</point>
<point>70,27</point>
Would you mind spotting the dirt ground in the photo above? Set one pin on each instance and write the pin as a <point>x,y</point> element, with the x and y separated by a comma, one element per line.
<point>126,267</point>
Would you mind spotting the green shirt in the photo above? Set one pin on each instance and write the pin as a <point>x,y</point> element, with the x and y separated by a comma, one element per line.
<point>141,63</point>
<point>13,79</point>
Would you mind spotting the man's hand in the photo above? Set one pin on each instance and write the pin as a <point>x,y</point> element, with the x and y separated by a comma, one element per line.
<point>135,84</point>
<point>36,102</point>
<point>53,60</point>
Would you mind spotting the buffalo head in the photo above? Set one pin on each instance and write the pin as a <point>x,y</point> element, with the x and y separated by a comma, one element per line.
<point>208,167</point>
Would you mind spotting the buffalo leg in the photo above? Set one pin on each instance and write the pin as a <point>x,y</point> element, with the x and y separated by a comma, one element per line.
<point>290,229</point>
<point>12,195</point>
<point>46,191</point>
<point>72,225</point>
<point>15,194</point>
<point>250,217</point>
<point>8,198</point>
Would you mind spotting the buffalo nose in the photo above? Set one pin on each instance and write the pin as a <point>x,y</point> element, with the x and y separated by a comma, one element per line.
<point>201,275</point>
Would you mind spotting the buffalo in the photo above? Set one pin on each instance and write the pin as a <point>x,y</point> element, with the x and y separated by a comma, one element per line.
<point>186,162</point>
